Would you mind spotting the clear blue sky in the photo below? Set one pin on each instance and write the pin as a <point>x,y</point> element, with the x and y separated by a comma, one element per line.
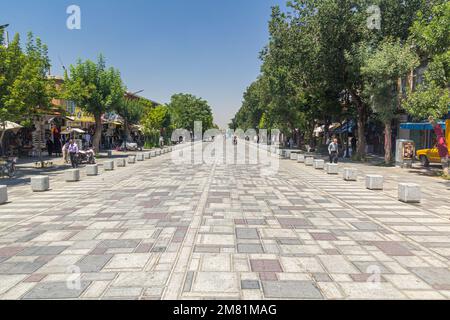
<point>205,47</point>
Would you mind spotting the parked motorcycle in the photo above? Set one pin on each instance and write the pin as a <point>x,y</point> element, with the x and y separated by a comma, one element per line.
<point>8,167</point>
<point>86,156</point>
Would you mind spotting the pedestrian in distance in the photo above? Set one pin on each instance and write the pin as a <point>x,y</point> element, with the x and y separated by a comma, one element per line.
<point>333,150</point>
<point>65,152</point>
<point>73,152</point>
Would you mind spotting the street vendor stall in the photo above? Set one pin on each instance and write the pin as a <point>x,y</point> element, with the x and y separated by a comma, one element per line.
<point>7,128</point>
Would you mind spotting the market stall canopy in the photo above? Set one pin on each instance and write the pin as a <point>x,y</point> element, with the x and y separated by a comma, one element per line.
<point>420,126</point>
<point>74,130</point>
<point>10,126</point>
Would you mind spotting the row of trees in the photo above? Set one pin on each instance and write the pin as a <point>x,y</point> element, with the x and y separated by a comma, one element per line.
<point>327,60</point>
<point>27,91</point>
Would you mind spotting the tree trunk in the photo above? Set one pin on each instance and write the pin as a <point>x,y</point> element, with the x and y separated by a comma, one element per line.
<point>388,142</point>
<point>362,119</point>
<point>98,132</point>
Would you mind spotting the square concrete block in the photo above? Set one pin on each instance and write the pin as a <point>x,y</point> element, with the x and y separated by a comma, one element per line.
<point>301,158</point>
<point>374,182</point>
<point>132,159</point>
<point>147,155</point>
<point>350,174</point>
<point>121,163</point>
<point>294,156</point>
<point>40,183</point>
<point>108,165</point>
<point>3,194</point>
<point>409,193</point>
<point>92,170</point>
<point>319,164</point>
<point>309,161</point>
<point>140,157</point>
<point>72,175</point>
<point>158,152</point>
<point>332,168</point>
<point>153,154</point>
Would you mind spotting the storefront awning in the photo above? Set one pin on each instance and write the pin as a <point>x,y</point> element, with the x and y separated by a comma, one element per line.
<point>419,126</point>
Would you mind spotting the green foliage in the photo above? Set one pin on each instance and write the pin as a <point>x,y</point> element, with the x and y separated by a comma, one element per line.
<point>93,87</point>
<point>428,101</point>
<point>324,64</point>
<point>185,109</point>
<point>382,69</point>
<point>132,110</point>
<point>431,36</point>
<point>156,119</point>
<point>25,89</point>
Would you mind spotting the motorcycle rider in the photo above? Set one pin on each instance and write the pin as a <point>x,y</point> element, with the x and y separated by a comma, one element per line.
<point>73,151</point>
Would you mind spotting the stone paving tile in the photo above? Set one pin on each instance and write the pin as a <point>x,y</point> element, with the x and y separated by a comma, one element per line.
<point>55,290</point>
<point>291,290</point>
<point>224,232</point>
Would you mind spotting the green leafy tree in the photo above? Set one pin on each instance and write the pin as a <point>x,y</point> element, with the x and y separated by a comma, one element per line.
<point>132,111</point>
<point>430,35</point>
<point>185,109</point>
<point>95,89</point>
<point>382,69</point>
<point>25,90</point>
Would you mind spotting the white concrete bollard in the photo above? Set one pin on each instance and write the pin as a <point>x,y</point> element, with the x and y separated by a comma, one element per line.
<point>350,174</point>
<point>158,152</point>
<point>309,161</point>
<point>332,168</point>
<point>121,163</point>
<point>319,164</point>
<point>92,170</point>
<point>108,165</point>
<point>374,182</point>
<point>72,175</point>
<point>294,156</point>
<point>140,157</point>
<point>40,183</point>
<point>132,159</point>
<point>147,155</point>
<point>301,158</point>
<point>409,193</point>
<point>153,154</point>
<point>3,194</point>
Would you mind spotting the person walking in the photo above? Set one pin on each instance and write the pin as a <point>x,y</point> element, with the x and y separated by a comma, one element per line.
<point>333,150</point>
<point>73,151</point>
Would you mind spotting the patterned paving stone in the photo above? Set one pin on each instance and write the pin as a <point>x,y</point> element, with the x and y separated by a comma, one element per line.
<point>439,278</point>
<point>250,285</point>
<point>55,290</point>
<point>93,263</point>
<point>250,248</point>
<point>42,251</point>
<point>266,266</point>
<point>291,290</point>
<point>210,282</point>
<point>242,233</point>
<point>159,231</point>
